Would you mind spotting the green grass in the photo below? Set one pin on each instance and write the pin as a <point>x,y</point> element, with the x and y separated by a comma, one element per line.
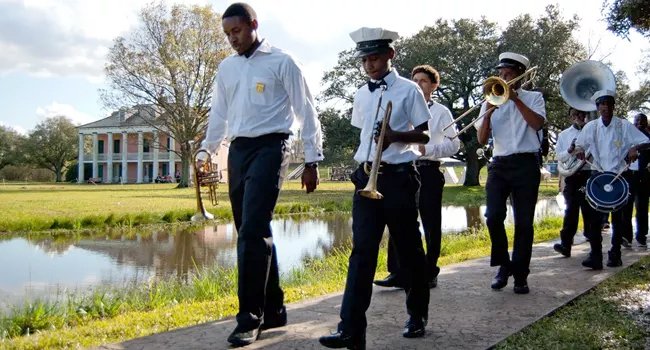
<point>107,316</point>
<point>39,207</point>
<point>595,320</point>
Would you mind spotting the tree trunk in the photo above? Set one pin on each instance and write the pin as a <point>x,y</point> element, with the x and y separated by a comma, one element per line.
<point>473,168</point>
<point>57,174</point>
<point>186,158</point>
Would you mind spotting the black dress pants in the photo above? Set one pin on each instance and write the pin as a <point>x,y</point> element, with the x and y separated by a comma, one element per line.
<point>641,202</point>
<point>398,211</point>
<point>516,176</point>
<point>254,166</point>
<point>430,208</point>
<point>574,198</point>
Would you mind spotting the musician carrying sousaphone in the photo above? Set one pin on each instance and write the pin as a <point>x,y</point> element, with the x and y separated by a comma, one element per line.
<point>613,143</point>
<point>576,173</point>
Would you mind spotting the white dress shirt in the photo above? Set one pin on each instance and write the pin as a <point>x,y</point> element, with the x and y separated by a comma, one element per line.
<point>610,144</point>
<point>510,132</point>
<point>260,95</point>
<point>564,140</point>
<point>409,110</point>
<point>440,143</point>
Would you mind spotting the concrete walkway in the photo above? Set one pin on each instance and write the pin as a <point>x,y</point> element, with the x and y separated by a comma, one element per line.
<point>464,312</point>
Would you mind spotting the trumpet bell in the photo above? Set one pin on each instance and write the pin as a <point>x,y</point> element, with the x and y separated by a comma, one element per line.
<point>496,91</point>
<point>580,81</point>
<point>370,193</point>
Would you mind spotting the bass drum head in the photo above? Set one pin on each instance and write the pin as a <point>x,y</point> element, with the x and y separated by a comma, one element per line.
<point>606,192</point>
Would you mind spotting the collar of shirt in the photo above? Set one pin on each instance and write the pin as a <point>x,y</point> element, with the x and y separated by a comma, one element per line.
<point>265,47</point>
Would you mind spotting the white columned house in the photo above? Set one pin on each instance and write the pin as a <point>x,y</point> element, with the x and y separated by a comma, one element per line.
<point>141,154</point>
<point>109,157</point>
<point>80,163</point>
<point>156,146</point>
<point>95,154</point>
<point>125,162</point>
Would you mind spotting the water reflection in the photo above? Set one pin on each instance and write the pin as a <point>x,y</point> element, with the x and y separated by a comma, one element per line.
<point>47,266</point>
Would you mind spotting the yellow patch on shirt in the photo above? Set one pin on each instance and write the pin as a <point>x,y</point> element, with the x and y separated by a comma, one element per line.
<point>618,144</point>
<point>259,87</point>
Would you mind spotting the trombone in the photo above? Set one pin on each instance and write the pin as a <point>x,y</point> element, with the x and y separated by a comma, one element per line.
<point>496,91</point>
<point>370,191</point>
<point>207,175</point>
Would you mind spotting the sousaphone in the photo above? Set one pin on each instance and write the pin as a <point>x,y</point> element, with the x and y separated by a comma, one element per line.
<point>577,85</point>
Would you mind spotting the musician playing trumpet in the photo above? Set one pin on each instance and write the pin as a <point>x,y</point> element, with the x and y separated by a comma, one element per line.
<point>613,143</point>
<point>514,171</point>
<point>573,191</point>
<point>398,182</point>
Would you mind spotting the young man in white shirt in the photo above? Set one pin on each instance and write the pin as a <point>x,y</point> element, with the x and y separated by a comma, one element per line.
<point>442,143</point>
<point>613,142</point>
<point>573,191</point>
<point>516,129</point>
<point>258,92</point>
<point>398,183</point>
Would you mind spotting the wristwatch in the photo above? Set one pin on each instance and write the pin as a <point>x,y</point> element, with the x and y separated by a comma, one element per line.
<point>312,165</point>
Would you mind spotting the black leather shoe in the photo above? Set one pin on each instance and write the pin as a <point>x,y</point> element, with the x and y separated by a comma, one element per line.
<point>614,259</point>
<point>414,327</point>
<point>390,281</point>
<point>521,287</point>
<point>501,279</point>
<point>593,262</point>
<point>562,249</point>
<point>341,340</point>
<point>625,242</point>
<point>433,283</point>
<point>275,319</point>
<point>243,337</point>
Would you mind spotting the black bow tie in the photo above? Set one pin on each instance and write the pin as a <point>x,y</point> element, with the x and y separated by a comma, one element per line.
<point>372,85</point>
<point>430,103</point>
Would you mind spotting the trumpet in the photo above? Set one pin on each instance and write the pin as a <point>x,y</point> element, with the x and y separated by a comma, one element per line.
<point>370,191</point>
<point>496,91</point>
<point>205,176</point>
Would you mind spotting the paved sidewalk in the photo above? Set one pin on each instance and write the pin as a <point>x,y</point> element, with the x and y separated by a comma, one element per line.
<point>464,312</point>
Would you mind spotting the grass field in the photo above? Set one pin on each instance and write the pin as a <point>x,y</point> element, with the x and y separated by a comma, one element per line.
<point>44,206</point>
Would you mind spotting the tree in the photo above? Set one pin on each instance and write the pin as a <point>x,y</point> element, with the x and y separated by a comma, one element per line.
<point>549,44</point>
<point>10,142</point>
<point>624,15</point>
<point>52,144</point>
<point>341,138</point>
<point>169,62</point>
<point>640,99</point>
<point>464,52</point>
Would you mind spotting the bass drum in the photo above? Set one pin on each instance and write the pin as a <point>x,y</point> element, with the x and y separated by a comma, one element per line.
<point>606,192</point>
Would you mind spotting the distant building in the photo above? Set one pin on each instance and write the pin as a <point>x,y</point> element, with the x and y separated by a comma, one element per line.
<point>126,148</point>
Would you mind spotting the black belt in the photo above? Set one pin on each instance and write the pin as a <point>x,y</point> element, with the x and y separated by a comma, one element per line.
<point>515,157</point>
<point>426,162</point>
<point>262,138</point>
<point>391,168</point>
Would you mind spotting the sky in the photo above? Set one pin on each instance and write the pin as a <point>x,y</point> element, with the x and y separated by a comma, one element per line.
<point>53,52</point>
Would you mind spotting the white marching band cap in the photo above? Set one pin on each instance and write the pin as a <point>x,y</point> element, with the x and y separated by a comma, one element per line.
<point>372,40</point>
<point>598,95</point>
<point>513,60</point>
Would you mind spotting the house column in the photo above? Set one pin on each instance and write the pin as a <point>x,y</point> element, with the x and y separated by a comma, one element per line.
<point>109,158</point>
<point>80,163</point>
<point>125,150</point>
<point>156,145</point>
<point>172,157</point>
<point>140,154</point>
<point>95,146</point>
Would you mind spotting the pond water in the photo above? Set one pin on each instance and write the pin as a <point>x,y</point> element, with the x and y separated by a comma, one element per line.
<point>46,266</point>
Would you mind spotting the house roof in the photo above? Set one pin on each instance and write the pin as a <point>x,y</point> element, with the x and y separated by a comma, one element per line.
<point>141,115</point>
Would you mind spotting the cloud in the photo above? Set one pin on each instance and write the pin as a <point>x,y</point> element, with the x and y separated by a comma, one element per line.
<point>57,109</point>
<point>16,128</point>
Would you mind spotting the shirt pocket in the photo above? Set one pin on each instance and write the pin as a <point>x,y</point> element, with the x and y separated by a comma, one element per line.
<point>261,90</point>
